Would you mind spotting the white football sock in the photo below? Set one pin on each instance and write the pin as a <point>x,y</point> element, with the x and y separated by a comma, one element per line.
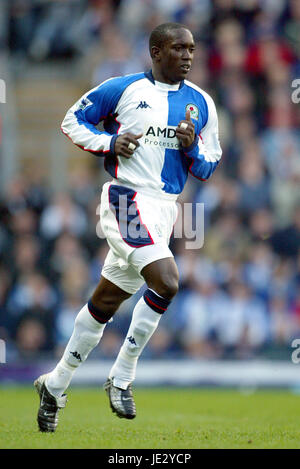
<point>86,335</point>
<point>143,324</point>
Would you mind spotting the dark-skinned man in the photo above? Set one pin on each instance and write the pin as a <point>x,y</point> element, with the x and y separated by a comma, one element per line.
<point>158,128</point>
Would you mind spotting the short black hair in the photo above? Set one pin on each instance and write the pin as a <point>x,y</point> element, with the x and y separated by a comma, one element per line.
<point>160,34</point>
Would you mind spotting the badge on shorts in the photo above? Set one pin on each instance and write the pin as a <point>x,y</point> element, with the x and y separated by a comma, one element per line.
<point>158,231</point>
<point>193,110</point>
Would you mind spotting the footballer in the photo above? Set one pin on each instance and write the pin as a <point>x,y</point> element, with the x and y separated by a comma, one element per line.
<point>157,128</point>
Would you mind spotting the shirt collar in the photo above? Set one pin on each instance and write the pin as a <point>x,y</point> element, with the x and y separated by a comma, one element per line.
<point>163,86</point>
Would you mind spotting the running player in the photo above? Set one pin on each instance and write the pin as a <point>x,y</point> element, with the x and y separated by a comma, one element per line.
<point>158,127</point>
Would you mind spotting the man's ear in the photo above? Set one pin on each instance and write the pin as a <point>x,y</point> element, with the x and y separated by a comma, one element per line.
<point>155,53</point>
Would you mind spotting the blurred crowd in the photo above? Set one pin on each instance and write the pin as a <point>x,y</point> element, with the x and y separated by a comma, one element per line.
<point>239,294</point>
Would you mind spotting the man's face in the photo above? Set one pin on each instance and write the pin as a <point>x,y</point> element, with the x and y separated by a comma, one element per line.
<point>174,58</point>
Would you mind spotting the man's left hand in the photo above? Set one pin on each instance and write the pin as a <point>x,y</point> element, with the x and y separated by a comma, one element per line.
<point>186,133</point>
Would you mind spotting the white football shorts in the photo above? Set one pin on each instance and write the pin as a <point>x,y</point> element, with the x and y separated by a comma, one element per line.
<point>137,228</point>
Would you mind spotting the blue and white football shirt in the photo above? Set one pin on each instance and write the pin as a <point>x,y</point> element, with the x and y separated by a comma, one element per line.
<point>139,104</point>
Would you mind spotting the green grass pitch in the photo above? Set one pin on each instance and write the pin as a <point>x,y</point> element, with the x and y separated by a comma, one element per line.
<point>168,418</point>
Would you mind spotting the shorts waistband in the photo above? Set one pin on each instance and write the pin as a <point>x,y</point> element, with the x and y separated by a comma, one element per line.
<point>148,192</point>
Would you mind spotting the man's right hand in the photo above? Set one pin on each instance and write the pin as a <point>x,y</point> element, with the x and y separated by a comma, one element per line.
<point>123,141</point>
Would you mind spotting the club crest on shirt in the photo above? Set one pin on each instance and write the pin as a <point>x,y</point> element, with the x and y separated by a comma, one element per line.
<point>84,103</point>
<point>193,110</point>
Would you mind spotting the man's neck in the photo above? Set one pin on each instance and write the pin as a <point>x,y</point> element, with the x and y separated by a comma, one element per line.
<point>158,76</point>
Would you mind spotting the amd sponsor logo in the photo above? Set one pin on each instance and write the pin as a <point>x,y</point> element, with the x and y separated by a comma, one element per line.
<point>162,137</point>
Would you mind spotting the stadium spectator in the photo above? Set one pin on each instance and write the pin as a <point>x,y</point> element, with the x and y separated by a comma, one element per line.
<point>62,216</point>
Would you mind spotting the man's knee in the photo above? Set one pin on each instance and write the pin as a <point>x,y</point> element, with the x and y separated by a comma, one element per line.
<point>163,279</point>
<point>167,286</point>
<point>105,301</point>
<point>162,276</point>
